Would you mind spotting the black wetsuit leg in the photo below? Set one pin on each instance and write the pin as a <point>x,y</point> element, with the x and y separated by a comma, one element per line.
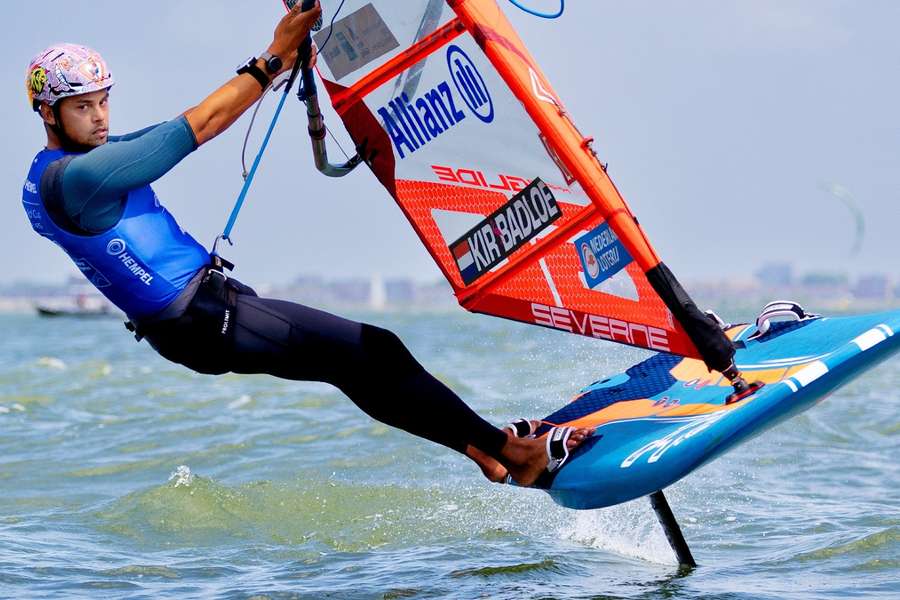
<point>369,364</point>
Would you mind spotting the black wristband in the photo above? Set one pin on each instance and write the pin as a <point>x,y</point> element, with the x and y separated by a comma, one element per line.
<point>258,74</point>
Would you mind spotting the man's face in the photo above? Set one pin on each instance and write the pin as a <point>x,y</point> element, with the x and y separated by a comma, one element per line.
<point>85,118</point>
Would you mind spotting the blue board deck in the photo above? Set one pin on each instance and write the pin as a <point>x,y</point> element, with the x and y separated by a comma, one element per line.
<point>665,417</point>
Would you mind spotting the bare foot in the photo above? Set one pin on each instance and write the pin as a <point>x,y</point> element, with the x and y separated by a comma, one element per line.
<point>526,459</point>
<point>491,469</point>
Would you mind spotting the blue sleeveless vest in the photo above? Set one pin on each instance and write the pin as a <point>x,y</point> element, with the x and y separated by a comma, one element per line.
<point>140,264</point>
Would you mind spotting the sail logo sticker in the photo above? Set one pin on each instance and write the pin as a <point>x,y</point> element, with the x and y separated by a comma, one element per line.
<point>359,39</point>
<point>590,261</point>
<point>414,122</point>
<point>505,230</point>
<point>470,84</point>
<point>539,91</point>
<point>606,328</point>
<point>602,254</point>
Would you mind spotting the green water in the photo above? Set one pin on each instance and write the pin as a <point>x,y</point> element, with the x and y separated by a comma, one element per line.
<point>123,476</point>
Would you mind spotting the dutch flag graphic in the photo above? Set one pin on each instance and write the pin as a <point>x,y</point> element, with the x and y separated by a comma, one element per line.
<point>465,261</point>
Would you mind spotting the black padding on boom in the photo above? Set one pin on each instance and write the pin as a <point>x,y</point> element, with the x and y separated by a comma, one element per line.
<point>714,346</point>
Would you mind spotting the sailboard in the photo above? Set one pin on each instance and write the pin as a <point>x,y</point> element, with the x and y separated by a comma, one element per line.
<point>664,417</point>
<point>461,126</point>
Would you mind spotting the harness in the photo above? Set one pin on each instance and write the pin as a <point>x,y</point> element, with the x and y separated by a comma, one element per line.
<point>212,306</point>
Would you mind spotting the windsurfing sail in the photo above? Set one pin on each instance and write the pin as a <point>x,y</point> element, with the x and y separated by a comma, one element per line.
<point>461,126</point>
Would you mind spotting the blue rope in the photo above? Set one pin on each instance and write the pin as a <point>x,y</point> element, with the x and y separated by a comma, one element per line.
<point>562,7</point>
<point>226,234</point>
<point>240,201</point>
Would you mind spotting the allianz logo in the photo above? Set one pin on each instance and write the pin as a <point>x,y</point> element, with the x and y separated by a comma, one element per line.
<point>413,123</point>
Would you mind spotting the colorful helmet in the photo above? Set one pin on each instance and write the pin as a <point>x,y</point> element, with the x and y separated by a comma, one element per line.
<point>64,70</point>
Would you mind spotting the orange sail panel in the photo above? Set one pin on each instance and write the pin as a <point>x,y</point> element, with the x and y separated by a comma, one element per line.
<point>457,121</point>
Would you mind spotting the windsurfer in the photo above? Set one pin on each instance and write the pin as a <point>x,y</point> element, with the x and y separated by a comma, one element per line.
<point>90,193</point>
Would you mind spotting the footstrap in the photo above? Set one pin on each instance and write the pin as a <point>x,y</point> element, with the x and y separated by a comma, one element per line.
<point>521,428</point>
<point>557,451</point>
<point>779,309</point>
<point>557,455</point>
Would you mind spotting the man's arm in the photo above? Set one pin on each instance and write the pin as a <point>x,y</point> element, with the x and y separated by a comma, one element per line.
<point>222,108</point>
<point>88,190</point>
<point>127,137</point>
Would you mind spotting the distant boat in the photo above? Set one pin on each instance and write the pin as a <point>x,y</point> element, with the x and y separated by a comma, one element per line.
<point>81,313</point>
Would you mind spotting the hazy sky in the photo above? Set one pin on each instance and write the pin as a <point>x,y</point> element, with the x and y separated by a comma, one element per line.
<point>723,124</point>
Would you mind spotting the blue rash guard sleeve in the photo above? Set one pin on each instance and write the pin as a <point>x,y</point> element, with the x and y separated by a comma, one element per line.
<point>91,188</point>
<point>133,135</point>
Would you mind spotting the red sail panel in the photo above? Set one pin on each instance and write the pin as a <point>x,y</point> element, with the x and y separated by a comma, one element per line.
<point>508,198</point>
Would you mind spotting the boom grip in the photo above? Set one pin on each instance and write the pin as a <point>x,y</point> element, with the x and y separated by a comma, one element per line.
<point>303,57</point>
